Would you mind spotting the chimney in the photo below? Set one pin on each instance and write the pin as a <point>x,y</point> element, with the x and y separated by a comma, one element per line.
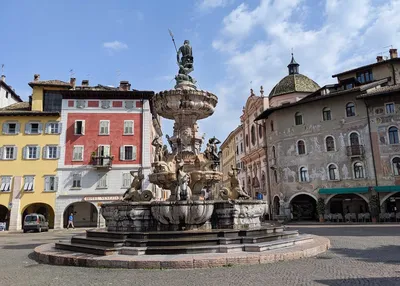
<point>124,85</point>
<point>36,77</point>
<point>30,100</point>
<point>72,82</point>
<point>379,59</point>
<point>3,78</point>
<point>393,53</point>
<point>85,82</point>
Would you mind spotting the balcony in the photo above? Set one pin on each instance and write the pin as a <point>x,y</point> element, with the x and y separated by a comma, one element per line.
<point>102,162</point>
<point>355,151</point>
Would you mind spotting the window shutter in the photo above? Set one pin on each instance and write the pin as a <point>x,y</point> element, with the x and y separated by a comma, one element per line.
<point>83,127</point>
<point>24,150</point>
<point>134,153</point>
<point>58,152</point>
<point>59,127</point>
<point>55,184</point>
<point>5,128</point>
<point>40,127</point>
<point>75,127</point>
<point>133,127</point>
<point>44,152</point>
<point>37,152</point>
<point>17,128</point>
<point>122,153</point>
<point>1,153</point>
<point>15,153</point>
<point>27,128</point>
<point>107,150</point>
<point>46,183</point>
<point>47,128</point>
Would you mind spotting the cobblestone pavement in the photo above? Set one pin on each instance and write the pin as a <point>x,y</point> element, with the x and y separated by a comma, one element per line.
<point>360,255</point>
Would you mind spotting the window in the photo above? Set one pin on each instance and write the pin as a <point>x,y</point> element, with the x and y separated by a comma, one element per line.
<point>50,183</point>
<point>6,94</point>
<point>128,127</point>
<point>104,127</point>
<point>365,76</point>
<point>33,128</point>
<point>333,172</point>
<point>102,181</point>
<point>350,109</point>
<point>330,144</point>
<point>354,139</point>
<point>393,135</point>
<point>52,102</point>
<point>5,183</point>
<point>79,127</point>
<point>28,183</point>
<point>253,135</point>
<point>10,128</point>
<point>76,181</point>
<point>241,147</point>
<point>273,152</point>
<point>276,176</point>
<point>53,128</point>
<point>247,140</point>
<point>8,153</point>
<point>77,154</point>
<point>303,174</point>
<point>326,114</point>
<point>128,153</point>
<point>272,125</point>
<point>298,118</point>
<point>260,131</point>
<point>237,149</point>
<point>51,152</point>
<point>396,166</point>
<point>301,147</point>
<point>358,170</point>
<point>126,180</point>
<point>31,152</point>
<point>389,107</point>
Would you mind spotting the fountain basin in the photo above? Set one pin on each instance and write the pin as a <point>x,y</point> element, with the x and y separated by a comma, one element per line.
<point>175,215</point>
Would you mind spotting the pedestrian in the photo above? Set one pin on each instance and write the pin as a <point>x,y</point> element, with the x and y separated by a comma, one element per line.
<point>71,221</point>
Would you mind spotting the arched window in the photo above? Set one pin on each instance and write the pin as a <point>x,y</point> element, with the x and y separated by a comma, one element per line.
<point>333,172</point>
<point>303,174</point>
<point>276,176</point>
<point>396,166</point>
<point>298,118</point>
<point>358,170</point>
<point>301,147</point>
<point>326,114</point>
<point>272,125</point>
<point>330,144</point>
<point>253,135</point>
<point>350,109</point>
<point>260,131</point>
<point>393,135</point>
<point>354,140</point>
<point>273,152</point>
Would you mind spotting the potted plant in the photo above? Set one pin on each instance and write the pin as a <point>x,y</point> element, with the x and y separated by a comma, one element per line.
<point>321,209</point>
<point>374,207</point>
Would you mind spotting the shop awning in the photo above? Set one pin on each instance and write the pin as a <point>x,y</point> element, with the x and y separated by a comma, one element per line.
<point>339,191</point>
<point>381,189</point>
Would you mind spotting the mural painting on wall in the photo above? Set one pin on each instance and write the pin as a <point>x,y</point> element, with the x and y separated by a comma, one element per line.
<point>341,141</point>
<point>382,134</point>
<point>345,172</point>
<point>289,173</point>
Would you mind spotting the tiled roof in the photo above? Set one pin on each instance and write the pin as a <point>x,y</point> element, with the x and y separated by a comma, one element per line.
<point>22,108</point>
<point>52,82</point>
<point>380,91</point>
<point>98,87</point>
<point>17,106</point>
<point>294,83</point>
<point>13,94</point>
<point>368,66</point>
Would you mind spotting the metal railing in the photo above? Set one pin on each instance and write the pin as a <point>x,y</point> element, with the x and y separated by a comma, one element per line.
<point>355,150</point>
<point>102,161</point>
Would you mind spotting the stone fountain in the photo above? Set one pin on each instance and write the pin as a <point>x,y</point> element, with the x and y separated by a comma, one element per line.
<point>197,217</point>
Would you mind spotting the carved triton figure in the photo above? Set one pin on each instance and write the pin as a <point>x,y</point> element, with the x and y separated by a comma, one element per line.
<point>133,193</point>
<point>183,191</point>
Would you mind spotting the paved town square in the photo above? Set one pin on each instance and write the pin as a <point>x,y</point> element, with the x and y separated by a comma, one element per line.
<point>359,255</point>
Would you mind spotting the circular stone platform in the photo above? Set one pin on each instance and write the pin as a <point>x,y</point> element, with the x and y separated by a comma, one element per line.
<point>48,254</point>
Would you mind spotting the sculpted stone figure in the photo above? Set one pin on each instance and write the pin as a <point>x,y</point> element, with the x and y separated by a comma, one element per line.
<point>134,192</point>
<point>158,153</point>
<point>185,63</point>
<point>211,151</point>
<point>183,191</point>
<point>233,192</point>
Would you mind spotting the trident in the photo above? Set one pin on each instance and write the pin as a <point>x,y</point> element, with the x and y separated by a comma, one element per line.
<point>173,40</point>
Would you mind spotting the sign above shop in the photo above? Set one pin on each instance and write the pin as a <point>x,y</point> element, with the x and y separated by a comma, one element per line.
<point>102,198</point>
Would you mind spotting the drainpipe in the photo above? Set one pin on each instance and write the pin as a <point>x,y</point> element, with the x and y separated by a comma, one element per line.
<point>370,142</point>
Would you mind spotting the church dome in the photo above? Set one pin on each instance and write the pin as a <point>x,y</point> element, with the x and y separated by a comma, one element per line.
<point>294,82</point>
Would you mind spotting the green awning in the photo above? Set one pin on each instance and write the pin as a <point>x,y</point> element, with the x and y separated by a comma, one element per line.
<point>388,189</point>
<point>339,191</point>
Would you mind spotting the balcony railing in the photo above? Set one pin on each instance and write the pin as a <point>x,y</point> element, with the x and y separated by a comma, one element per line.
<point>102,161</point>
<point>355,150</point>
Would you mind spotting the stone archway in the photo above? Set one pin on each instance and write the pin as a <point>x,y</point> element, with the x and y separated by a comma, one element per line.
<point>347,203</point>
<point>39,208</point>
<point>5,216</point>
<point>276,205</point>
<point>391,202</point>
<point>303,206</point>
<point>85,214</point>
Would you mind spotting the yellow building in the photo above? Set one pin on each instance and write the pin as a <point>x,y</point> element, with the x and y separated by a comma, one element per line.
<point>29,152</point>
<point>228,157</point>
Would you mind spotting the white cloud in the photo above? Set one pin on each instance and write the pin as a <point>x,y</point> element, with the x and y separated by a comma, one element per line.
<point>257,42</point>
<point>115,46</point>
<point>212,4</point>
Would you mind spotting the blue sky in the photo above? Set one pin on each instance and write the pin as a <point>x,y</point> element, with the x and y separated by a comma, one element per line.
<point>236,44</point>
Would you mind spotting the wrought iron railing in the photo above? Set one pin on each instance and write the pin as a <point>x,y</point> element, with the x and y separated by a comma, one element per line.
<point>355,150</point>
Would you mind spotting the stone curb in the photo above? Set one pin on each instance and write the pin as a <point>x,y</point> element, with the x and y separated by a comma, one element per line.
<point>49,255</point>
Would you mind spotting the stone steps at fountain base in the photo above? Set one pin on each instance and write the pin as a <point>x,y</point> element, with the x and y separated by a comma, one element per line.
<point>85,248</point>
<point>98,241</point>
